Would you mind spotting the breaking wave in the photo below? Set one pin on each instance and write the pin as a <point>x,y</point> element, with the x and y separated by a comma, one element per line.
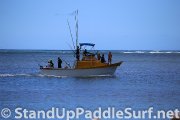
<point>151,52</point>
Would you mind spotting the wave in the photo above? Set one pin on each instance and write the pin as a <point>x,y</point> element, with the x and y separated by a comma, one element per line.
<point>29,75</point>
<point>162,52</point>
<point>128,52</point>
<point>41,75</point>
<point>7,75</point>
<point>134,52</point>
<point>139,52</point>
<point>152,52</point>
<point>13,75</point>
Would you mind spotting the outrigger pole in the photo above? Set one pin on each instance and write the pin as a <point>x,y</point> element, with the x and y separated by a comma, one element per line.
<point>76,19</point>
<point>76,28</point>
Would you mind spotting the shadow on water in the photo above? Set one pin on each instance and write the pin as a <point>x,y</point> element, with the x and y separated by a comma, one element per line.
<point>100,77</point>
<point>103,77</point>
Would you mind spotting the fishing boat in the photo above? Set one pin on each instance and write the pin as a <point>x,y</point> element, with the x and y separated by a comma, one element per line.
<point>87,66</point>
<point>104,70</point>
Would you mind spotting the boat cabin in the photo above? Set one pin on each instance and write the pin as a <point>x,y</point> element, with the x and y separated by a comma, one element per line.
<point>89,60</point>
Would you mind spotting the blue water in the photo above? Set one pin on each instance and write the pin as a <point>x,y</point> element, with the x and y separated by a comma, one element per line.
<point>145,79</point>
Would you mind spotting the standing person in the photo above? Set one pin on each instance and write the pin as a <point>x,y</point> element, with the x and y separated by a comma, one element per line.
<point>59,62</point>
<point>103,59</point>
<point>77,53</point>
<point>109,58</point>
<point>98,56</point>
<point>51,64</point>
<point>85,52</point>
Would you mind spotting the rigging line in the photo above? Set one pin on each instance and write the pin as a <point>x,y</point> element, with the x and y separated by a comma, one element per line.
<point>76,26</point>
<point>71,34</point>
<point>66,63</point>
<point>71,48</point>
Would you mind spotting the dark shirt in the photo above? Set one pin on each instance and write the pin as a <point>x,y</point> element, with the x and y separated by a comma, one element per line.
<point>59,63</point>
<point>77,53</point>
<point>103,59</point>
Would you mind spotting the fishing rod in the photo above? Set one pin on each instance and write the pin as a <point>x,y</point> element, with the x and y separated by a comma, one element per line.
<point>66,63</point>
<point>36,61</point>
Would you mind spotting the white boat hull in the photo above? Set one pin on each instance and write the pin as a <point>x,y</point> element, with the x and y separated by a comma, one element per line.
<point>80,72</point>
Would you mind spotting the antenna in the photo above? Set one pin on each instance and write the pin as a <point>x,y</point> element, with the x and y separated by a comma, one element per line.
<point>71,34</point>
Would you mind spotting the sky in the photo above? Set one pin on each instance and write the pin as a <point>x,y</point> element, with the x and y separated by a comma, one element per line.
<point>110,24</point>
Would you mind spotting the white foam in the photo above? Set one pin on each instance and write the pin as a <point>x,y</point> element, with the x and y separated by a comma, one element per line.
<point>168,52</point>
<point>6,75</point>
<point>139,52</point>
<point>12,75</point>
<point>128,52</point>
<point>41,75</point>
<point>152,52</point>
<point>134,52</point>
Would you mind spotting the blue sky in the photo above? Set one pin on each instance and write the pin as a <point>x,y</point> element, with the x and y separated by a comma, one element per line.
<point>110,24</point>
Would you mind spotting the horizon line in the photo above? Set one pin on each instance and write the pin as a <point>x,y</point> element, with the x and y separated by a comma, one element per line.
<point>91,49</point>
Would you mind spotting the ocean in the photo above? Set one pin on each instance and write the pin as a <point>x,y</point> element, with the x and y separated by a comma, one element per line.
<point>145,79</point>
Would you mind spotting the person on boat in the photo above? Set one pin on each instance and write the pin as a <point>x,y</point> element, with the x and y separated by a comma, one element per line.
<point>109,58</point>
<point>85,52</point>
<point>59,62</point>
<point>77,53</point>
<point>99,56</point>
<point>103,59</point>
<point>51,64</point>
